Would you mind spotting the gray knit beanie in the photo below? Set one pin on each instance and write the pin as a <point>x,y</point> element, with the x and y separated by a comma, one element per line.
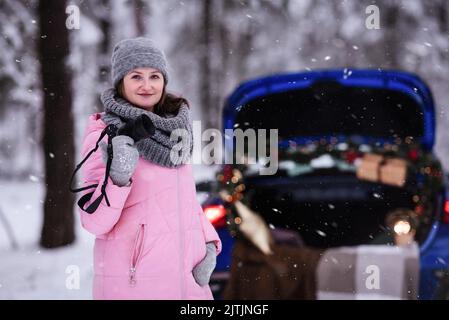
<point>135,53</point>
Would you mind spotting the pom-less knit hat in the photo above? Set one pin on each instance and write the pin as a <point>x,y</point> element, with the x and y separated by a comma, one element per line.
<point>135,53</point>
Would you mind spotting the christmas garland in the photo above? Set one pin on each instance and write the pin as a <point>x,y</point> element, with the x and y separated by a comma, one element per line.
<point>425,169</point>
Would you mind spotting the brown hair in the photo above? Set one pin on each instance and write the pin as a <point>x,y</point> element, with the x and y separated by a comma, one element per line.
<point>169,103</point>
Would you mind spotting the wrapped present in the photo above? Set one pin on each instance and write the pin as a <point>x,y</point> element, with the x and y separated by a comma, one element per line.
<point>369,272</point>
<point>394,172</point>
<point>376,168</point>
<point>369,167</point>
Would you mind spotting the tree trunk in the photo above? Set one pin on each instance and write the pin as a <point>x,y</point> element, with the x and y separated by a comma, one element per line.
<point>140,9</point>
<point>208,110</point>
<point>104,62</point>
<point>53,49</point>
<point>392,37</point>
<point>222,76</point>
<point>105,26</point>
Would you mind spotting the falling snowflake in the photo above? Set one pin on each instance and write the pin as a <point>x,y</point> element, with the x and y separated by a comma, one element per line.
<point>377,195</point>
<point>321,233</point>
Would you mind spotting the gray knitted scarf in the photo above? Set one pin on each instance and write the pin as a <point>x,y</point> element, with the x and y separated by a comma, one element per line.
<point>157,148</point>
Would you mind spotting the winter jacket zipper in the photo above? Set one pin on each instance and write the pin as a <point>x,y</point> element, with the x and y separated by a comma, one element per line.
<point>137,251</point>
<point>181,240</point>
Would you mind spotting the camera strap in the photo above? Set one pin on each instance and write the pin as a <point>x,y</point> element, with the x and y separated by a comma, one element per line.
<point>111,131</point>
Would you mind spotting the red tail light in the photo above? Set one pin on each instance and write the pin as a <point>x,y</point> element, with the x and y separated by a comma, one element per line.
<point>216,215</point>
<point>446,212</point>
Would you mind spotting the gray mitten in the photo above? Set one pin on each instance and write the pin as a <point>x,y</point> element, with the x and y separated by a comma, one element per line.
<point>203,270</point>
<point>124,161</point>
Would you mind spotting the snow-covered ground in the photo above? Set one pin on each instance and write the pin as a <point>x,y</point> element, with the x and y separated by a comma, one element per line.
<point>31,272</point>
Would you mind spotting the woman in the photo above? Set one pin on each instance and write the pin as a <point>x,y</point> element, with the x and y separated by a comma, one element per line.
<point>153,240</point>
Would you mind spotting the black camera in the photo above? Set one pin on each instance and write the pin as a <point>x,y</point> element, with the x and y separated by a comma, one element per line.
<point>140,128</point>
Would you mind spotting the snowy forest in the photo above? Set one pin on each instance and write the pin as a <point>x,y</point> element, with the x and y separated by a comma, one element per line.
<point>52,74</point>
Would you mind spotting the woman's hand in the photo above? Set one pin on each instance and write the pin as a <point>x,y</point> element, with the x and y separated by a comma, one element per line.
<point>124,161</point>
<point>203,270</point>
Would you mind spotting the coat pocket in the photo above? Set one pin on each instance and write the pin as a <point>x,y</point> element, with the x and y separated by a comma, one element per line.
<point>197,248</point>
<point>136,253</point>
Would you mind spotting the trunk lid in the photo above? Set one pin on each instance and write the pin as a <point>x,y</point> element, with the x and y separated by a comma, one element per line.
<point>373,105</point>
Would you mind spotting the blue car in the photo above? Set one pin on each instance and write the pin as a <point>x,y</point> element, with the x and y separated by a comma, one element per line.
<point>369,107</point>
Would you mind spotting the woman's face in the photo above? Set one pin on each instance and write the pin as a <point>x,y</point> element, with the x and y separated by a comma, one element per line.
<point>143,87</point>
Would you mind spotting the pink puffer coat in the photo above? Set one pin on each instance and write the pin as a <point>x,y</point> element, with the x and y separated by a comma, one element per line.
<point>153,234</point>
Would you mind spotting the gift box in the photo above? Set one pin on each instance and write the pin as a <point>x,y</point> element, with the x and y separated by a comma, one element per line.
<point>369,167</point>
<point>376,168</point>
<point>369,272</point>
<point>394,172</point>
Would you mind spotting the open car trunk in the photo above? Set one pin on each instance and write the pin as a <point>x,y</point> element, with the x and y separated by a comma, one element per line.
<point>329,207</point>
